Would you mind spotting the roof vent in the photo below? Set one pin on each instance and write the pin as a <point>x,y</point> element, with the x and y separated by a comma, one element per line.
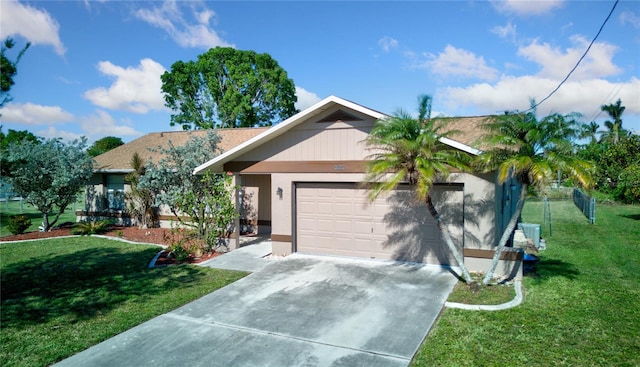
<point>340,115</point>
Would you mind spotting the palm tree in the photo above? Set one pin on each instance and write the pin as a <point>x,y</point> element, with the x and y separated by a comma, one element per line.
<point>615,111</point>
<point>141,200</point>
<point>408,150</point>
<point>531,151</point>
<point>590,131</point>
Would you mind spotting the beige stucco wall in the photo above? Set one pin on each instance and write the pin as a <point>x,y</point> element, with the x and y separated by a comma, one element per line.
<point>317,141</point>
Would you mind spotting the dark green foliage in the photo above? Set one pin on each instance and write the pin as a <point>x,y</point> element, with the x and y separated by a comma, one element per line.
<point>228,88</point>
<point>90,227</point>
<point>13,137</point>
<point>104,145</point>
<point>628,189</point>
<point>612,160</point>
<point>18,223</point>
<point>8,69</point>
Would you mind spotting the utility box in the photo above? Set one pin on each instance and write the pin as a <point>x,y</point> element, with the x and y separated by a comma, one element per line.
<point>531,231</point>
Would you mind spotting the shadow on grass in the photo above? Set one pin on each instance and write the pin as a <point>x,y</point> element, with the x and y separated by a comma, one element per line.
<point>632,216</point>
<point>554,268</point>
<point>83,284</point>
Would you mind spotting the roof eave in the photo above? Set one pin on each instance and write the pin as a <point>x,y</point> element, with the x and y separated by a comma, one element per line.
<point>460,146</point>
<point>114,170</point>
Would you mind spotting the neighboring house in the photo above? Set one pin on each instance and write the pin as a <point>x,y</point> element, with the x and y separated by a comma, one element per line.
<point>105,192</point>
<point>302,180</point>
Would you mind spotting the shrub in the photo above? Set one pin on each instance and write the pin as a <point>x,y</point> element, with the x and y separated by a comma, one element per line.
<point>18,223</point>
<point>91,227</point>
<point>628,189</point>
<point>184,243</point>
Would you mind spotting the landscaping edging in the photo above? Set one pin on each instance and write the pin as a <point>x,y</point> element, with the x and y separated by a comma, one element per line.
<point>517,300</point>
<point>93,235</point>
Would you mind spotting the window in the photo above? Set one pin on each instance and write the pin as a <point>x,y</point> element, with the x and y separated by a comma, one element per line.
<point>115,199</point>
<point>115,192</point>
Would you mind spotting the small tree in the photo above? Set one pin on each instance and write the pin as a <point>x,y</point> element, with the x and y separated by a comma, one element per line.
<point>49,175</point>
<point>213,207</point>
<point>200,198</point>
<point>140,200</point>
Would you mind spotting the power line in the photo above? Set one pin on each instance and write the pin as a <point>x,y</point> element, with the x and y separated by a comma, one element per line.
<point>579,60</point>
<point>599,111</point>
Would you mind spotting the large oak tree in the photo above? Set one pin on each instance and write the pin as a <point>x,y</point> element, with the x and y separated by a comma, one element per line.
<point>228,88</point>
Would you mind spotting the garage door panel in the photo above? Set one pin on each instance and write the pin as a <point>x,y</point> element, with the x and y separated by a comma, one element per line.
<point>394,226</point>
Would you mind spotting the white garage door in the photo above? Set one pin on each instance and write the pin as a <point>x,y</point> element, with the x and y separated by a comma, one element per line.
<point>339,219</point>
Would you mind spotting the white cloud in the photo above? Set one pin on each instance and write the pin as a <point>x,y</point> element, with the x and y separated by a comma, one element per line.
<point>169,18</point>
<point>629,17</point>
<point>526,7</point>
<point>507,32</point>
<point>53,133</point>
<point>34,114</point>
<point>135,89</point>
<point>387,43</point>
<point>513,93</point>
<point>102,124</point>
<point>306,99</point>
<point>36,25</point>
<point>556,63</point>
<point>458,62</point>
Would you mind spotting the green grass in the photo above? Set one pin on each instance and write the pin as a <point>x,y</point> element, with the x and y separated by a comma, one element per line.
<point>474,294</point>
<point>16,207</point>
<point>581,309</point>
<point>61,296</point>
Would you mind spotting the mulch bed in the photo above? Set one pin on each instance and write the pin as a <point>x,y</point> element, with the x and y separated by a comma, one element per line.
<point>148,235</point>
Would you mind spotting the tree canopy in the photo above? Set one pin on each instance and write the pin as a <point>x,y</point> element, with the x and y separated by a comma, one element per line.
<point>8,69</point>
<point>206,200</point>
<point>104,145</point>
<point>49,175</point>
<point>228,88</point>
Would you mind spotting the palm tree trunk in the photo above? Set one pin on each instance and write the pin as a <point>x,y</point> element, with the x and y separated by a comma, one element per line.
<point>506,235</point>
<point>446,236</point>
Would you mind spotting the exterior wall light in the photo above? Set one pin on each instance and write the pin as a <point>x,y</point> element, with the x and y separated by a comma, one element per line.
<point>279,192</point>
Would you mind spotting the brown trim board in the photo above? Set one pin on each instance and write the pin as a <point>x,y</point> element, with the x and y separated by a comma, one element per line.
<point>511,253</point>
<point>281,237</point>
<point>296,166</point>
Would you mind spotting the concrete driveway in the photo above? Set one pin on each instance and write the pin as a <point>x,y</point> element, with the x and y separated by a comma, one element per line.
<point>301,311</point>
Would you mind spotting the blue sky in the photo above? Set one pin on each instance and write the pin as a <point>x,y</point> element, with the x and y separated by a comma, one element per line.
<point>93,68</point>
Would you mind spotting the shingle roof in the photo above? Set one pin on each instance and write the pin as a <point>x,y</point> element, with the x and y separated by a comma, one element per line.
<point>119,159</point>
<point>468,129</point>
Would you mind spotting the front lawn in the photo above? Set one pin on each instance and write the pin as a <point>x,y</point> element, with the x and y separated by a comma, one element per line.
<point>581,309</point>
<point>61,296</point>
<point>12,207</point>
